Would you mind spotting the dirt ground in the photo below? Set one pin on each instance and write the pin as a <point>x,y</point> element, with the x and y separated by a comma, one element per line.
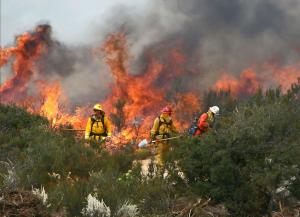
<point>22,204</point>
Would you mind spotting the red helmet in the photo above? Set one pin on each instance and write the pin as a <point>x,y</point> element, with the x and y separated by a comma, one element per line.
<point>166,110</point>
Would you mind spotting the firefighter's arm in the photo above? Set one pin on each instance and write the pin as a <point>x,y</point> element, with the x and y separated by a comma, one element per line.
<point>202,123</point>
<point>154,128</point>
<point>108,126</point>
<point>88,129</point>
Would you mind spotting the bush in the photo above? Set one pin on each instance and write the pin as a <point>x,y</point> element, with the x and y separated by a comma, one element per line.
<point>42,156</point>
<point>151,193</point>
<point>256,150</point>
<point>250,164</point>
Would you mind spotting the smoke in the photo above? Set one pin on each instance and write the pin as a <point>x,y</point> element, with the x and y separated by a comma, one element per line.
<point>208,36</point>
<point>83,75</point>
<point>216,35</point>
<point>37,56</point>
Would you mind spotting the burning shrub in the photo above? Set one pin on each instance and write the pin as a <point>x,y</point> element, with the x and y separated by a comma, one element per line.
<point>118,118</point>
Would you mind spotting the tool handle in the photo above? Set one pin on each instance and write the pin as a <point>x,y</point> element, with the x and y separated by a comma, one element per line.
<point>72,129</point>
<point>158,140</point>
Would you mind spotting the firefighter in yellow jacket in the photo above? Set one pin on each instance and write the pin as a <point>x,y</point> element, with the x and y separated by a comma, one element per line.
<point>98,127</point>
<point>163,127</point>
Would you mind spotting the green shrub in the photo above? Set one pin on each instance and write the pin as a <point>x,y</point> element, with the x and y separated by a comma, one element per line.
<point>255,150</point>
<point>152,193</point>
<point>69,171</point>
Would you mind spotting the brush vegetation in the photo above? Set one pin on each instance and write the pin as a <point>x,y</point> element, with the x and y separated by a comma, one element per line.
<point>247,166</point>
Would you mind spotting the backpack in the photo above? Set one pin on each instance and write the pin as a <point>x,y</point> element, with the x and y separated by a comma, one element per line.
<point>194,127</point>
<point>160,123</point>
<point>93,121</point>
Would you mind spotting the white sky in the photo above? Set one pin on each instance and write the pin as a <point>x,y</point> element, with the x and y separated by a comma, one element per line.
<point>71,20</point>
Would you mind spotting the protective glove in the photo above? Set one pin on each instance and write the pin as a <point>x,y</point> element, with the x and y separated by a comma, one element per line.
<point>152,136</point>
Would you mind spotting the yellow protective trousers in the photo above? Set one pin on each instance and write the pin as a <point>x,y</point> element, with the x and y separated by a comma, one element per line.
<point>161,149</point>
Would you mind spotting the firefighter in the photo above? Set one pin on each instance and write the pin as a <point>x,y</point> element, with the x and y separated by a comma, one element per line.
<point>98,126</point>
<point>163,127</point>
<point>206,120</point>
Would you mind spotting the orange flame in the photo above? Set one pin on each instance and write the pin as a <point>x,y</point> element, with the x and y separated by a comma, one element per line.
<point>249,81</point>
<point>54,106</point>
<point>285,76</point>
<point>28,50</point>
<point>50,107</point>
<point>246,84</point>
<point>141,93</point>
<point>135,98</point>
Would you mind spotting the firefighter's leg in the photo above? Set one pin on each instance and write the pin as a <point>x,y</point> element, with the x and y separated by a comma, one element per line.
<point>95,141</point>
<point>162,149</point>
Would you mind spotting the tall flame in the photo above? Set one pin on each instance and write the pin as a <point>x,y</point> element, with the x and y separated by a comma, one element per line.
<point>135,99</point>
<point>143,94</point>
<point>51,94</point>
<point>47,96</point>
<point>29,48</point>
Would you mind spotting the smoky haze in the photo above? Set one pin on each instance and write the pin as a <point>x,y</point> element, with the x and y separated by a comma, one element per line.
<point>216,35</point>
<point>83,74</point>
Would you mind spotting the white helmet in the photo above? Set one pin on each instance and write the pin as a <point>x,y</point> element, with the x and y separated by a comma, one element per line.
<point>215,110</point>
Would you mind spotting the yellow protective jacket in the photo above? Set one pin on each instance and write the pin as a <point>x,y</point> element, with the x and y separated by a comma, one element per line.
<point>97,128</point>
<point>163,127</point>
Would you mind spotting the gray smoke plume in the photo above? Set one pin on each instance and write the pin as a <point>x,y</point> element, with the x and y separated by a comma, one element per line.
<point>83,75</point>
<point>216,35</point>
